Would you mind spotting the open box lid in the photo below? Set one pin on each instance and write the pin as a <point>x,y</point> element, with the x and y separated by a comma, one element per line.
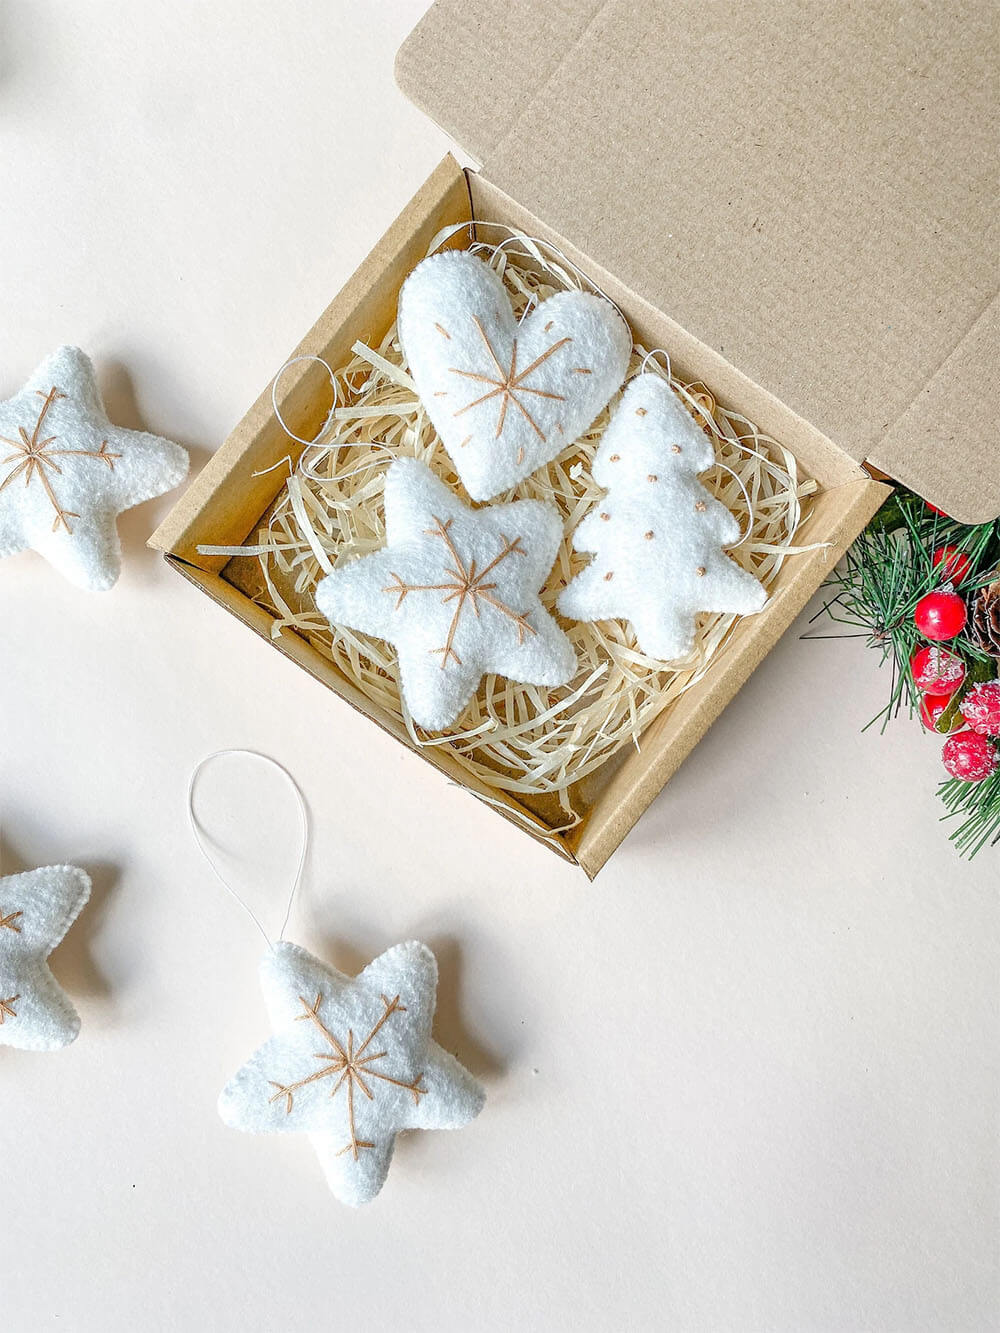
<point>807,188</point>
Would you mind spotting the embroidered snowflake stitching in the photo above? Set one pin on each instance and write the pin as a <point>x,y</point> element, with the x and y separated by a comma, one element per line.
<point>7,922</point>
<point>467,585</point>
<point>510,383</point>
<point>35,456</point>
<point>348,1066</point>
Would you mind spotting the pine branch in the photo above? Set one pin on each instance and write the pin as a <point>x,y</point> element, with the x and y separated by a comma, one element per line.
<point>874,594</point>
<point>979,802</point>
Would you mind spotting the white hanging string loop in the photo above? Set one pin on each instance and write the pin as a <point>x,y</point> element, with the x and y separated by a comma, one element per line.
<point>724,467</point>
<point>309,469</point>
<point>651,356</point>
<point>201,837</point>
<point>305,468</point>
<point>294,361</point>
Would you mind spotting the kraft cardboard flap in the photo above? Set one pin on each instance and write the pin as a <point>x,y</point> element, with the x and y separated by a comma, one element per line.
<point>807,188</point>
<point>940,414</point>
<point>474,67</point>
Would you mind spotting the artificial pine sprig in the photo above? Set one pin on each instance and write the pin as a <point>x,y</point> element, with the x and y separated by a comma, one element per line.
<point>876,589</point>
<point>979,802</point>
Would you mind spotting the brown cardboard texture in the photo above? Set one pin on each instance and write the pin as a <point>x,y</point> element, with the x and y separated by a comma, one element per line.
<point>226,502</point>
<point>808,189</point>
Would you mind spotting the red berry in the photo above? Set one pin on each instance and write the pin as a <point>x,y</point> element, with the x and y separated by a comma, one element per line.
<point>931,708</point>
<point>981,708</point>
<point>940,614</point>
<point>934,509</point>
<point>969,756</point>
<point>956,563</point>
<point>936,670</point>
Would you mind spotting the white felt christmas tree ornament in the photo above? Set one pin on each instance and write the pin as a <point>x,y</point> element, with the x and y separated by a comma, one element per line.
<point>504,397</point>
<point>456,591</point>
<point>36,910</point>
<point>66,472</point>
<point>352,1063</point>
<point>658,535</point>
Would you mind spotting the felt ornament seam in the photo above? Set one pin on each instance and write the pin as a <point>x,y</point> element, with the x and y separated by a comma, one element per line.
<point>352,1063</point>
<point>658,535</point>
<point>66,472</point>
<point>506,397</point>
<point>37,908</point>
<point>456,591</point>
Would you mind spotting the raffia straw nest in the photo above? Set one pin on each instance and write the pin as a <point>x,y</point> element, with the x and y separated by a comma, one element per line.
<point>521,739</point>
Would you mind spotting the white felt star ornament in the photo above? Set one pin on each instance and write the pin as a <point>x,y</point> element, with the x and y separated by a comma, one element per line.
<point>66,472</point>
<point>36,910</point>
<point>658,534</point>
<point>352,1063</point>
<point>456,590</point>
<point>506,398</point>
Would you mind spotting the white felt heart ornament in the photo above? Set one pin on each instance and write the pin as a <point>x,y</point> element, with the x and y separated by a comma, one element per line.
<point>506,398</point>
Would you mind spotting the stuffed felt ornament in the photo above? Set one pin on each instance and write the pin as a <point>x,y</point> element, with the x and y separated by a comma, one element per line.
<point>36,910</point>
<point>66,472</point>
<point>352,1063</point>
<point>504,397</point>
<point>456,591</point>
<point>658,535</point>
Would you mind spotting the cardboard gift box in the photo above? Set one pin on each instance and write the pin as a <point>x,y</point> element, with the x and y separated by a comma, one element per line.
<point>791,201</point>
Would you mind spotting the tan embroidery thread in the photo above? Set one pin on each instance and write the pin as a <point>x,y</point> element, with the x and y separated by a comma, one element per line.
<point>467,586</point>
<point>347,1065</point>
<point>509,384</point>
<point>7,1009</point>
<point>7,922</point>
<point>700,507</point>
<point>34,455</point>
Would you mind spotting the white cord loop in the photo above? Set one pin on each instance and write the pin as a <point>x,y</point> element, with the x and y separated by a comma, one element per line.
<point>294,361</point>
<point>201,837</point>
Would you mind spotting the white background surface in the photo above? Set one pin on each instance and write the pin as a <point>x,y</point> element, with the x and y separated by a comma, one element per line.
<point>747,1080</point>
